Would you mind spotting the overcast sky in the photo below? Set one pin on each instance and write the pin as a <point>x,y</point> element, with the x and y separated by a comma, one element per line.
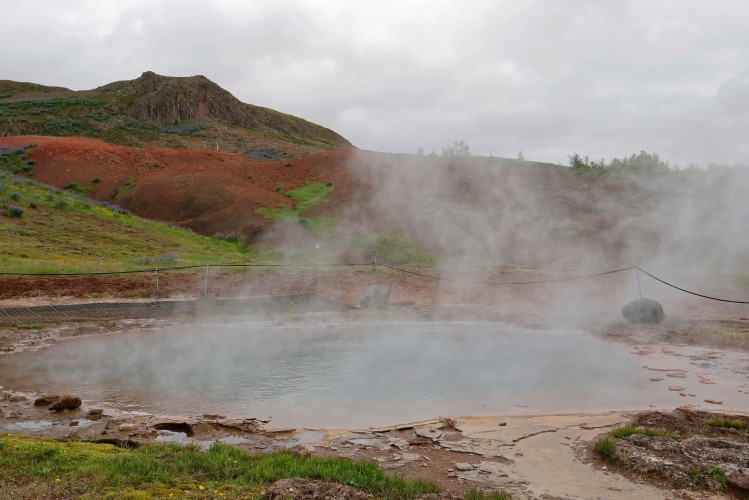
<point>601,78</point>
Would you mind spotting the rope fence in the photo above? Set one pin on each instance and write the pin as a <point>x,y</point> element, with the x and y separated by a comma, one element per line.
<point>375,265</point>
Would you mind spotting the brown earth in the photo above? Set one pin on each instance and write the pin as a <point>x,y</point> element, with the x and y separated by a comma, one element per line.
<point>207,191</point>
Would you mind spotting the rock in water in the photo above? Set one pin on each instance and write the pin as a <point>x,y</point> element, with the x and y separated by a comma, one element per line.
<point>46,400</point>
<point>66,403</point>
<point>376,297</point>
<point>644,311</point>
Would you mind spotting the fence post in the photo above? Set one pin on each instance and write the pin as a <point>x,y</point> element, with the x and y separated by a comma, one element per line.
<point>205,282</point>
<point>317,262</point>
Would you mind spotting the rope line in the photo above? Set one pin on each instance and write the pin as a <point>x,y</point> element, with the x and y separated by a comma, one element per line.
<point>393,268</point>
<point>497,283</point>
<point>179,268</point>
<point>692,293</point>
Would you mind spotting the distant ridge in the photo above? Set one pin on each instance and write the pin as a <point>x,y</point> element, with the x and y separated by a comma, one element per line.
<point>156,110</point>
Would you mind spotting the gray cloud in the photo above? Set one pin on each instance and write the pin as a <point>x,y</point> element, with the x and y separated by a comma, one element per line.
<point>604,78</point>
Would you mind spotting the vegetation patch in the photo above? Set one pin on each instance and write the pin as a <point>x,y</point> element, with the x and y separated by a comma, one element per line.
<point>605,449</point>
<point>394,248</point>
<point>727,423</point>
<point>477,494</point>
<point>185,128</point>
<point>72,186</point>
<point>68,232</point>
<point>66,469</point>
<point>320,226</point>
<point>689,448</point>
<point>305,198</point>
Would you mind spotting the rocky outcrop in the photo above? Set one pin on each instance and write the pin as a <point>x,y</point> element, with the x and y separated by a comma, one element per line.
<point>166,100</point>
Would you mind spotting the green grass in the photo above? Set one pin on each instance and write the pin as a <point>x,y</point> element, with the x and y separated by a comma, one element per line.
<point>67,232</point>
<point>729,423</point>
<point>605,449</point>
<point>320,226</point>
<point>717,474</point>
<point>476,494</point>
<point>305,198</point>
<point>34,467</point>
<point>310,195</point>
<point>622,432</point>
<point>394,248</point>
<point>29,326</point>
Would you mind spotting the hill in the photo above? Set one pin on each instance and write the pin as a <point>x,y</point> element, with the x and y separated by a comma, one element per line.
<point>160,111</point>
<point>53,230</point>
<point>464,212</point>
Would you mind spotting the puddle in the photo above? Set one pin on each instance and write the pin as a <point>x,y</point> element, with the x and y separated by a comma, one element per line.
<point>370,375</point>
<point>170,437</point>
<point>31,425</point>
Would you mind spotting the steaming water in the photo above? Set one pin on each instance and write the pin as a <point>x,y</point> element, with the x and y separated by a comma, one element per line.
<point>351,376</point>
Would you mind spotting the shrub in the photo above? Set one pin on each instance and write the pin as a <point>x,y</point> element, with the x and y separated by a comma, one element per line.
<point>231,237</point>
<point>95,180</point>
<point>13,211</point>
<point>73,186</point>
<point>605,449</point>
<point>15,197</point>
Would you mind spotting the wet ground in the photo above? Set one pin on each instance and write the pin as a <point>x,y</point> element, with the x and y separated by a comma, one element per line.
<point>697,356</point>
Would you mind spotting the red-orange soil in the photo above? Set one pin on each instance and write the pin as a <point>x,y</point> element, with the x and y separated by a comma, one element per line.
<point>207,191</point>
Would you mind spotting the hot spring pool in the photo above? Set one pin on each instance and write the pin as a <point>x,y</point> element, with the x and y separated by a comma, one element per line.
<point>363,375</point>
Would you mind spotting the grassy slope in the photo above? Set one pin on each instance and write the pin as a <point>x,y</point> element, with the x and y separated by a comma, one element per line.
<point>67,232</point>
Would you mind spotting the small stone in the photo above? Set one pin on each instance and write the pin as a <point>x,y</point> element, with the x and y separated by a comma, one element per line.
<point>66,403</point>
<point>675,388</point>
<point>462,466</point>
<point>127,427</point>
<point>713,401</point>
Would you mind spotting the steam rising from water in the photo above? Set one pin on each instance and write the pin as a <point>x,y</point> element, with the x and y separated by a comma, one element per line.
<point>347,376</point>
